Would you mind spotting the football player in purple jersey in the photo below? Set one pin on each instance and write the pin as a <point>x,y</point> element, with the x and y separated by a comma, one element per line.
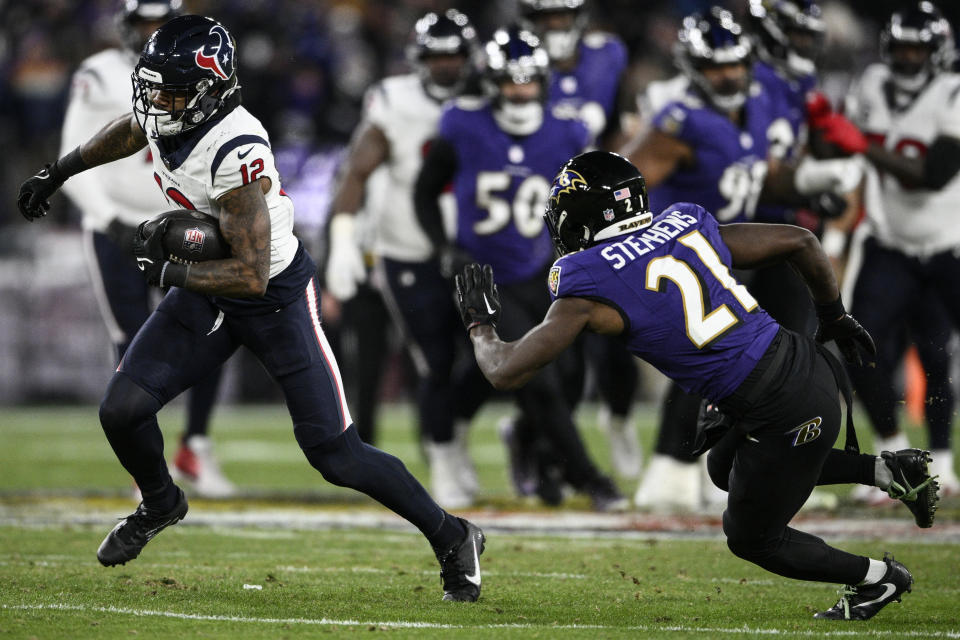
<point>721,144</point>
<point>499,154</point>
<point>664,285</point>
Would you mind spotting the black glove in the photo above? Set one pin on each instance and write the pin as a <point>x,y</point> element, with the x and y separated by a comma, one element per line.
<point>122,234</point>
<point>35,190</point>
<point>828,205</point>
<point>148,250</point>
<point>477,296</point>
<point>452,260</point>
<point>838,325</point>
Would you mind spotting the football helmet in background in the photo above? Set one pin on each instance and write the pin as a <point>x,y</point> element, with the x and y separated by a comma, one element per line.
<point>189,57</point>
<point>515,55</point>
<point>713,40</point>
<point>138,12</point>
<point>596,196</point>
<point>444,34</point>
<point>776,25</point>
<point>560,44</point>
<point>922,24</point>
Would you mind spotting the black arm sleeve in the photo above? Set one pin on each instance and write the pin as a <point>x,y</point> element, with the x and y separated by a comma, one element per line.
<point>439,166</point>
<point>942,163</point>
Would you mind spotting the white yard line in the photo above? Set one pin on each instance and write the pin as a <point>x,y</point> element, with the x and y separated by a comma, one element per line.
<point>401,624</point>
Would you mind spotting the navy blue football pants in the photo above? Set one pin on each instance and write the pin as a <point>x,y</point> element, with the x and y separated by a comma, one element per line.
<point>124,300</point>
<point>895,294</point>
<point>187,337</point>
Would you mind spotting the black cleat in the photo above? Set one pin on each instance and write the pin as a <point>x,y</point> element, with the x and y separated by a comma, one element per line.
<point>864,601</point>
<point>128,538</point>
<point>460,566</point>
<point>604,495</point>
<point>912,484</point>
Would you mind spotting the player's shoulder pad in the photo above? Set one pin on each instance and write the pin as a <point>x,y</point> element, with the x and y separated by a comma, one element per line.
<point>237,150</point>
<point>568,277</point>
<point>687,212</point>
<point>673,116</point>
<point>603,40</point>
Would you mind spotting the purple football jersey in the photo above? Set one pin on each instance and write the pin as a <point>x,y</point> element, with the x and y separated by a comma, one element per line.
<point>501,187</point>
<point>601,60</point>
<point>684,312</point>
<point>789,98</point>
<point>730,162</point>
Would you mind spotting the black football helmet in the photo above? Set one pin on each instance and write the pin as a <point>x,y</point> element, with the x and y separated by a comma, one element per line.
<point>189,57</point>
<point>559,44</point>
<point>137,12</point>
<point>774,21</point>
<point>709,40</point>
<point>439,34</point>
<point>597,195</point>
<point>515,55</point>
<point>921,24</point>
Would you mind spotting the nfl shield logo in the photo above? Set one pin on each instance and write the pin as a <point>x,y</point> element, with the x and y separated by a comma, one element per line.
<point>553,280</point>
<point>193,240</point>
<point>608,214</point>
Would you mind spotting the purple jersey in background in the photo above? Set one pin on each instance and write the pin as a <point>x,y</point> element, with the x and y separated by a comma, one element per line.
<point>501,186</point>
<point>730,162</point>
<point>790,103</point>
<point>684,312</point>
<point>601,60</point>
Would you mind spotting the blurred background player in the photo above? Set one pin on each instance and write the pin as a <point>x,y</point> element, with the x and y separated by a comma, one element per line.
<point>114,201</point>
<point>586,81</point>
<point>904,265</point>
<point>500,154</point>
<point>723,144</point>
<point>400,118</point>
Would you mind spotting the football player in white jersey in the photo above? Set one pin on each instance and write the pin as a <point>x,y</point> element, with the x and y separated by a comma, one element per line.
<point>212,155</point>
<point>400,118</point>
<point>113,201</point>
<point>908,106</point>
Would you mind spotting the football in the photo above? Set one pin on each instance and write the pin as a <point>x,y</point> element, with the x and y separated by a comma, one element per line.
<point>190,236</point>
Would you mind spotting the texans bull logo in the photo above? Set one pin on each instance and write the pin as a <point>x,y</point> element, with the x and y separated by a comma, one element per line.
<point>217,57</point>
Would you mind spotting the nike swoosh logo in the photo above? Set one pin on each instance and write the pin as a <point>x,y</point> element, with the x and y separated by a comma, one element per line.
<point>244,154</point>
<point>888,590</point>
<point>475,578</point>
<point>140,262</point>
<point>490,309</point>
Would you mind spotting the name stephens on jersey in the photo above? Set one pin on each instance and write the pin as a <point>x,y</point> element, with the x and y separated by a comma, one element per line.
<point>618,254</point>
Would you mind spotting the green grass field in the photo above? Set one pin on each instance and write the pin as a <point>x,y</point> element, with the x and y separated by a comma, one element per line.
<point>320,560</point>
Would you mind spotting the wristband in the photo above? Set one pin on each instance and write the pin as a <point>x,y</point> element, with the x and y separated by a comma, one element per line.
<point>830,311</point>
<point>173,274</point>
<point>69,165</point>
<point>833,242</point>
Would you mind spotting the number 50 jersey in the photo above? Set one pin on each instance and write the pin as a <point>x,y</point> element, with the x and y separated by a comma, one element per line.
<point>502,183</point>
<point>683,311</point>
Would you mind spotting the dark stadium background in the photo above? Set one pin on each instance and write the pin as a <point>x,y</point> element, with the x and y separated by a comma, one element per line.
<point>304,66</point>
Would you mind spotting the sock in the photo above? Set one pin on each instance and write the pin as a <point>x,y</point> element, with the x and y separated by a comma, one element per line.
<point>875,573</point>
<point>162,501</point>
<point>882,476</point>
<point>448,535</point>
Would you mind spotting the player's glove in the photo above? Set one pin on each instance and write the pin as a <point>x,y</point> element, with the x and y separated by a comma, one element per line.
<point>148,250</point>
<point>345,266</point>
<point>828,205</point>
<point>851,338</point>
<point>32,200</point>
<point>477,296</point>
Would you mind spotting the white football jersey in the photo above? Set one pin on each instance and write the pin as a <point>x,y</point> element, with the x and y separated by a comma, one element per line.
<point>233,152</point>
<point>408,117</point>
<point>124,189</point>
<point>914,220</point>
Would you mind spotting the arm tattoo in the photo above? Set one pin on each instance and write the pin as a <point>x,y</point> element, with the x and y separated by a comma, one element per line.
<point>121,138</point>
<point>245,224</point>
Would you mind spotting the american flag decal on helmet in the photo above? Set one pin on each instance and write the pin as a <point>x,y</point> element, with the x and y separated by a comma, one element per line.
<point>621,194</point>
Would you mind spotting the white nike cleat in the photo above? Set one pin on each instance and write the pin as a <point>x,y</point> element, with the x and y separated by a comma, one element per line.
<point>196,465</point>
<point>862,602</point>
<point>460,566</point>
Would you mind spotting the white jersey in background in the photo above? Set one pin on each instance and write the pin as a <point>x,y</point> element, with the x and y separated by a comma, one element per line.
<point>124,189</point>
<point>408,117</point>
<point>233,152</point>
<point>914,220</point>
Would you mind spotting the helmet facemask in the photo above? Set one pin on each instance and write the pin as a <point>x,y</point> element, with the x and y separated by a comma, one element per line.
<point>559,24</point>
<point>922,27</point>
<point>443,35</point>
<point>712,42</point>
<point>789,34</point>
<point>516,57</point>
